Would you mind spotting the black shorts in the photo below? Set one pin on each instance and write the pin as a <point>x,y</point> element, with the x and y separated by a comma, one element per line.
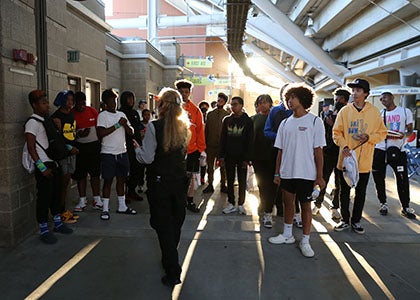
<point>114,165</point>
<point>193,162</point>
<point>88,160</point>
<point>302,188</point>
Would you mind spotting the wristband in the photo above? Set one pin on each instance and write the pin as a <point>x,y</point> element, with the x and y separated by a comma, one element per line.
<point>69,147</point>
<point>117,125</point>
<point>277,175</point>
<point>40,165</point>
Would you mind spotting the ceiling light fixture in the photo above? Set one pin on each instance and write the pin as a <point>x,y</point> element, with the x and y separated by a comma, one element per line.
<point>310,31</point>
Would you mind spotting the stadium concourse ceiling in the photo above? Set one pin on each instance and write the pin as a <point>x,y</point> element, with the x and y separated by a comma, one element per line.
<point>320,42</point>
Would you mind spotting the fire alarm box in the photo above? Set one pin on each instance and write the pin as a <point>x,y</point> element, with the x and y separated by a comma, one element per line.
<point>20,55</point>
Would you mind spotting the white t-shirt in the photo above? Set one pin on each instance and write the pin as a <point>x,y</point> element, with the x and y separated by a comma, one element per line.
<point>38,130</point>
<point>298,137</point>
<point>396,120</point>
<point>113,143</point>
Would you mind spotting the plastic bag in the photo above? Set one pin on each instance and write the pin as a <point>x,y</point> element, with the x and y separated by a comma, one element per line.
<point>250,179</point>
<point>351,169</point>
<point>27,161</point>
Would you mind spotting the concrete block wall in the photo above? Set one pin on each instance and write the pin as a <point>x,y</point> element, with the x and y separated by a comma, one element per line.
<point>66,29</point>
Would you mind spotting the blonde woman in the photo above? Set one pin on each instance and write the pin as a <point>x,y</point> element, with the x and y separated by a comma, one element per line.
<point>164,149</point>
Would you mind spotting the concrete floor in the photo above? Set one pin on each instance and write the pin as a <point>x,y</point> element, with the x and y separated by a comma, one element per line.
<point>224,257</point>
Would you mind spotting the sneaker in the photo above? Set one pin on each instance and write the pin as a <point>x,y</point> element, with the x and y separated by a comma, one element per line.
<point>341,226</point>
<point>171,282</point>
<point>335,214</point>
<point>97,204</point>
<point>383,210</point>
<point>297,221</point>
<point>408,212</point>
<point>223,189</point>
<point>230,209</point>
<point>306,249</point>
<point>191,207</point>
<point>209,189</point>
<point>63,229</point>
<point>315,210</point>
<point>280,239</point>
<point>242,210</point>
<point>48,238</point>
<point>67,217</point>
<point>356,227</point>
<point>267,221</point>
<point>80,207</point>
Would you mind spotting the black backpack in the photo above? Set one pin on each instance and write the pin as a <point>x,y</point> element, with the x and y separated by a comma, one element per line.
<point>57,149</point>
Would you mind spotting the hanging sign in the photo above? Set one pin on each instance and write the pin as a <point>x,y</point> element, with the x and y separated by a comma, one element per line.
<point>199,62</point>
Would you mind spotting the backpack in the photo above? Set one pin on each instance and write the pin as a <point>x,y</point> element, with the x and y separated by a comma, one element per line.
<point>56,150</point>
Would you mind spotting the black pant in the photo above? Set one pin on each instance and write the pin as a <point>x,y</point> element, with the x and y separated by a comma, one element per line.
<point>264,171</point>
<point>136,172</point>
<point>233,166</point>
<point>48,192</point>
<point>400,170</point>
<point>359,199</point>
<point>167,214</point>
<point>330,163</point>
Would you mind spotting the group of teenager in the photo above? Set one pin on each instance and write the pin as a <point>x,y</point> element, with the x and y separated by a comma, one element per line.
<point>291,149</point>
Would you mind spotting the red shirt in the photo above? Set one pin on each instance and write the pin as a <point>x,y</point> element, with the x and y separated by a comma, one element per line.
<point>87,118</point>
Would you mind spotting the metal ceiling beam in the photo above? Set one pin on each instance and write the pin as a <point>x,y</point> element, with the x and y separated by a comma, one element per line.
<point>272,63</point>
<point>366,20</point>
<point>286,32</point>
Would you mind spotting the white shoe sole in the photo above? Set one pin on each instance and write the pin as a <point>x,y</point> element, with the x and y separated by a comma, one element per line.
<point>278,241</point>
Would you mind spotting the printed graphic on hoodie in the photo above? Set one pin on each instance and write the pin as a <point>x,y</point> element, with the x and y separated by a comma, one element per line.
<point>357,127</point>
<point>235,130</point>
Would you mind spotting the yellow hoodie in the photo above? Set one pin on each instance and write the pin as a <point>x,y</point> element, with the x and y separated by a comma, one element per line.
<point>349,122</point>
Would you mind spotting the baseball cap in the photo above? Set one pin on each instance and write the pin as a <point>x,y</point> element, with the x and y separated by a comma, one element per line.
<point>387,92</point>
<point>325,104</point>
<point>142,101</point>
<point>364,84</point>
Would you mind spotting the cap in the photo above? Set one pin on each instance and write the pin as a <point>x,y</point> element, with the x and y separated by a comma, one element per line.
<point>364,84</point>
<point>325,104</point>
<point>142,101</point>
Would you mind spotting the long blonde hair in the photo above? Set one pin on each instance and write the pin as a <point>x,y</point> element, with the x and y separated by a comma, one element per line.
<point>175,133</point>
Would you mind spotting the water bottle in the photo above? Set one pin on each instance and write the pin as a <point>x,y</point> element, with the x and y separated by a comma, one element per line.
<point>315,192</point>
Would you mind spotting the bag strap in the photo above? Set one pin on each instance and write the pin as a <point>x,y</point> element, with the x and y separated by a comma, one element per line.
<point>39,120</point>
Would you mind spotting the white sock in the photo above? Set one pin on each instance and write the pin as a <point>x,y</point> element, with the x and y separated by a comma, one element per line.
<point>97,199</point>
<point>287,230</point>
<point>121,203</point>
<point>105,201</point>
<point>82,201</point>
<point>305,239</point>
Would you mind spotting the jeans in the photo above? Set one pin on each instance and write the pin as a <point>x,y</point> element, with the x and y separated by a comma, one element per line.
<point>48,192</point>
<point>233,166</point>
<point>359,199</point>
<point>400,170</point>
<point>330,162</point>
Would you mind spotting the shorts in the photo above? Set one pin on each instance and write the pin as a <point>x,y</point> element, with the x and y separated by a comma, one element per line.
<point>302,188</point>
<point>193,162</point>
<point>68,164</point>
<point>114,165</point>
<point>88,161</point>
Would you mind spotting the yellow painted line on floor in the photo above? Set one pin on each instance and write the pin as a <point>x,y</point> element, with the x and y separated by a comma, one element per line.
<point>47,284</point>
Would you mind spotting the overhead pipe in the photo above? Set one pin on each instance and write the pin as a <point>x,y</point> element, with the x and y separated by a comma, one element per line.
<point>168,21</point>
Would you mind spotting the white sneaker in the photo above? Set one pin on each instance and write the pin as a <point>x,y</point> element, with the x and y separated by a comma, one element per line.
<point>267,221</point>
<point>297,221</point>
<point>242,210</point>
<point>280,239</point>
<point>335,214</point>
<point>315,210</point>
<point>306,249</point>
<point>230,209</point>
